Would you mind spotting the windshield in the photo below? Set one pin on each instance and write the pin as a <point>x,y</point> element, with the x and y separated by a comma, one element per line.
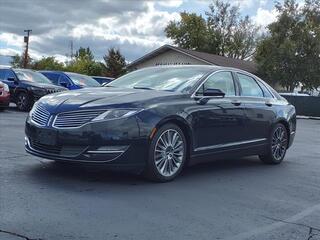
<point>31,76</point>
<point>82,80</point>
<point>179,79</point>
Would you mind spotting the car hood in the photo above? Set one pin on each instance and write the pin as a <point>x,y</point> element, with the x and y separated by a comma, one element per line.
<point>102,97</point>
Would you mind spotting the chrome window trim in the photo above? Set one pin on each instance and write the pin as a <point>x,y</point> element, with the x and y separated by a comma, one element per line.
<point>258,81</point>
<point>193,95</point>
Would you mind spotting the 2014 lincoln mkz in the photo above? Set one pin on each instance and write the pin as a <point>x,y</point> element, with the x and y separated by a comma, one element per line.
<point>158,120</point>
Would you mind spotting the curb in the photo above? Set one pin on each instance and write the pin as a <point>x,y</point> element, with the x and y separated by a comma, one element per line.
<point>308,117</point>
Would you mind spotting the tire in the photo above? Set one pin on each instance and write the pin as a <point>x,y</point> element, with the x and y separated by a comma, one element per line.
<point>24,102</point>
<point>277,146</point>
<point>167,154</point>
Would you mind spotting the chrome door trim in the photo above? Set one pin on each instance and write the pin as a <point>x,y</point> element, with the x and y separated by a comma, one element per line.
<point>217,146</point>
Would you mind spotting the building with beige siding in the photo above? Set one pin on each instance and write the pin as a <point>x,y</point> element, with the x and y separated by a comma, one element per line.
<point>170,55</point>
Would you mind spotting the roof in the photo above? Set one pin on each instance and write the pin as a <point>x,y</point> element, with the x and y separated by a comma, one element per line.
<point>206,58</point>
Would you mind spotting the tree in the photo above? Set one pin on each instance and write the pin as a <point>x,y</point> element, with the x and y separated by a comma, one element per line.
<point>17,61</point>
<point>310,44</point>
<point>84,63</point>
<point>223,32</point>
<point>48,63</point>
<point>115,63</point>
<point>290,53</point>
<point>84,53</point>
<point>190,32</point>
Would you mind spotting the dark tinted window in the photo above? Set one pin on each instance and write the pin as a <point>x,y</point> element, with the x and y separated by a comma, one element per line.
<point>2,74</point>
<point>249,86</point>
<point>82,80</point>
<point>31,76</point>
<point>53,77</point>
<point>63,79</point>
<point>9,74</point>
<point>222,81</point>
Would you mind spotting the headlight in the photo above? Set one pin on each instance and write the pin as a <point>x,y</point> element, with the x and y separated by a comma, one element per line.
<point>116,114</point>
<point>39,91</point>
<point>5,87</point>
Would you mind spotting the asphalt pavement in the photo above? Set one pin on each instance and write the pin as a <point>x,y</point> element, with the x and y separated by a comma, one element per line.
<point>234,199</point>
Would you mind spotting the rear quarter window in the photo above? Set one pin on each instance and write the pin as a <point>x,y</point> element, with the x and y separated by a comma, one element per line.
<point>249,86</point>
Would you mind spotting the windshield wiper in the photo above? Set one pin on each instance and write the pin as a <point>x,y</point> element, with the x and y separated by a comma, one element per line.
<point>146,88</point>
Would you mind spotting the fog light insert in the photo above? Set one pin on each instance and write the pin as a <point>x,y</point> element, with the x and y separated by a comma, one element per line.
<point>109,149</point>
<point>26,141</point>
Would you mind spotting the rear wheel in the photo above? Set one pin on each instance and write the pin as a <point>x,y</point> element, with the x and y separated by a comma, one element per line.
<point>24,102</point>
<point>277,146</point>
<point>167,154</point>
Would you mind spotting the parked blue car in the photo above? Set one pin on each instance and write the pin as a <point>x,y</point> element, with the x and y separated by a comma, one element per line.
<point>70,80</point>
<point>102,80</point>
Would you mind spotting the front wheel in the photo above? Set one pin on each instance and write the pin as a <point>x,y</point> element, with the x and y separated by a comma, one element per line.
<point>167,154</point>
<point>277,146</point>
<point>24,102</point>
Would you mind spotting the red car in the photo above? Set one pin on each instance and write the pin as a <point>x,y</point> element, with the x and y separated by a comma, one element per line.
<point>4,95</point>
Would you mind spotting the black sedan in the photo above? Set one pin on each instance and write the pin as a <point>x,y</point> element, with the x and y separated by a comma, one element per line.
<point>158,120</point>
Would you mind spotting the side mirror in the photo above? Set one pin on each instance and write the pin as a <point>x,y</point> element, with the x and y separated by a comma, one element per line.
<point>212,92</point>
<point>11,79</point>
<point>63,84</point>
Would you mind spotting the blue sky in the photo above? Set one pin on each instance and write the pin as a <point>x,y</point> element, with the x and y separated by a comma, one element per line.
<point>135,27</point>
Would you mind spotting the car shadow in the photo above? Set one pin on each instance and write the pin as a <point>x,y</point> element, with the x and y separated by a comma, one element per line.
<point>66,173</point>
<point>13,108</point>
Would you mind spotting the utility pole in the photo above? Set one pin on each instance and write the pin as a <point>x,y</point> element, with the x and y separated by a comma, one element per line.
<point>26,40</point>
<point>71,50</point>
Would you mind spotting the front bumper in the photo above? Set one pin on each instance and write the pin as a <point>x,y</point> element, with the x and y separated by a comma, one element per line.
<point>4,99</point>
<point>113,143</point>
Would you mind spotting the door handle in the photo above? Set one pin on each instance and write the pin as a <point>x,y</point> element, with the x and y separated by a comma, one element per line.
<point>236,102</point>
<point>269,104</point>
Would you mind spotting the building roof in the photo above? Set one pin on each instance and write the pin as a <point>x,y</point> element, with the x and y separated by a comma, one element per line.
<point>206,58</point>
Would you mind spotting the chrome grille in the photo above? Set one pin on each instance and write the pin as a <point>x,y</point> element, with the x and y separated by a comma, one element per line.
<point>49,91</point>
<point>75,119</point>
<point>40,115</point>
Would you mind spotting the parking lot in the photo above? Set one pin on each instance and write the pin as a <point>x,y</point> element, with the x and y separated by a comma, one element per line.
<point>224,199</point>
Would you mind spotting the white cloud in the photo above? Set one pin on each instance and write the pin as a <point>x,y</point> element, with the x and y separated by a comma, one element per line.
<point>8,52</point>
<point>244,4</point>
<point>11,39</point>
<point>170,3</point>
<point>134,32</point>
<point>264,17</point>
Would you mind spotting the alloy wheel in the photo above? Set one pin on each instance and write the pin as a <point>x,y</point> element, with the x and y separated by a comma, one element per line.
<point>169,152</point>
<point>279,143</point>
<point>22,99</point>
